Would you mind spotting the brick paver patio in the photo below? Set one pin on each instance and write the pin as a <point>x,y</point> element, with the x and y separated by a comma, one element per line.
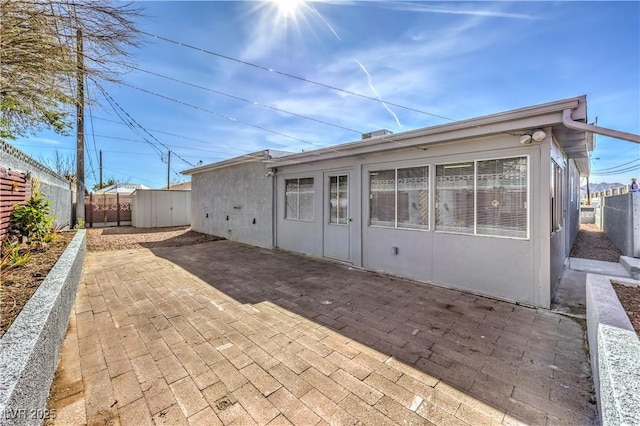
<point>224,333</point>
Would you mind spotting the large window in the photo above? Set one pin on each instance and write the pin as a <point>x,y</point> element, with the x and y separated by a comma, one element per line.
<point>399,198</point>
<point>501,187</point>
<point>455,197</point>
<point>299,199</point>
<point>487,197</point>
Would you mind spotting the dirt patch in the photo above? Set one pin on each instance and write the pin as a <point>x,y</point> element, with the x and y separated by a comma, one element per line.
<point>592,243</point>
<point>128,237</point>
<point>18,285</point>
<point>630,300</point>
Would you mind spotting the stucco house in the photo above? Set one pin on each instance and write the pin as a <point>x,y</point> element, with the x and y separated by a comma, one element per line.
<point>489,205</point>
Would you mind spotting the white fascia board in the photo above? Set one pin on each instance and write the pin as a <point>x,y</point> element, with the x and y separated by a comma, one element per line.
<point>248,158</point>
<point>538,116</point>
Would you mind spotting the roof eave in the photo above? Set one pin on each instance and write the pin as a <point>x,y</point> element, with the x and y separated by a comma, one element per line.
<point>511,121</point>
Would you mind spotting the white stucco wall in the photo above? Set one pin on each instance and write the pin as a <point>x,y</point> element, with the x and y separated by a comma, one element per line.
<point>500,267</point>
<point>226,202</point>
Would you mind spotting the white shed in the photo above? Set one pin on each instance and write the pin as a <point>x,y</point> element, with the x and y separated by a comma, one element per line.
<point>155,208</point>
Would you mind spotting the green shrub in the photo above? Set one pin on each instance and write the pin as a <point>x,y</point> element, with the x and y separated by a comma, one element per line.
<point>32,220</point>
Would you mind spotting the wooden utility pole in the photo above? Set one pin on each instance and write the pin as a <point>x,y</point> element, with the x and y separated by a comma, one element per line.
<point>168,169</point>
<point>79,129</point>
<point>101,169</point>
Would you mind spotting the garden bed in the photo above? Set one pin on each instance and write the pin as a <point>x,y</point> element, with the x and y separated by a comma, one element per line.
<point>630,300</point>
<point>20,283</point>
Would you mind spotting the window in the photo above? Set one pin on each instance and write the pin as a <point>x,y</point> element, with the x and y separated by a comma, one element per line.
<point>382,198</point>
<point>455,197</point>
<point>339,200</point>
<point>501,188</point>
<point>557,198</point>
<point>487,197</point>
<point>299,199</point>
<point>399,198</point>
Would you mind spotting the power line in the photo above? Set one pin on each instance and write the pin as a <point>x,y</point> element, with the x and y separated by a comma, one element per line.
<point>245,100</point>
<point>616,172</point>
<point>219,114</point>
<point>95,149</point>
<point>284,74</point>
<point>172,134</point>
<point>619,165</point>
<point>139,125</point>
<point>173,146</point>
<point>130,126</point>
<point>29,144</point>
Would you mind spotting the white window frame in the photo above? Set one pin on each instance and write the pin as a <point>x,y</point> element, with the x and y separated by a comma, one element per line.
<point>396,225</point>
<point>475,198</point>
<point>313,199</point>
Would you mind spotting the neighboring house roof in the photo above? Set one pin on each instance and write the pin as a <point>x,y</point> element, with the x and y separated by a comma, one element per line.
<point>122,188</point>
<point>180,186</point>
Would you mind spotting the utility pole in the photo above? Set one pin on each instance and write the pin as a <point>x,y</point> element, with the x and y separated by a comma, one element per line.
<point>79,128</point>
<point>168,169</point>
<point>100,169</point>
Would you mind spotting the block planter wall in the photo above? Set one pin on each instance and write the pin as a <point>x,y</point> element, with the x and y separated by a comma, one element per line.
<point>29,350</point>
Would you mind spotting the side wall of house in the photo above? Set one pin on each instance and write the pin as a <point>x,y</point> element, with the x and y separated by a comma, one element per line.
<point>573,205</point>
<point>234,202</point>
<point>497,266</point>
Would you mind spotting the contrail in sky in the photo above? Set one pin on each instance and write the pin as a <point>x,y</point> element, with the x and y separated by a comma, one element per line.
<point>378,94</point>
<point>325,22</point>
<point>362,67</point>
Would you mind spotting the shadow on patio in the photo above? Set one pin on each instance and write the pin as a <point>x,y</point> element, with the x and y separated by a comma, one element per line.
<point>529,363</point>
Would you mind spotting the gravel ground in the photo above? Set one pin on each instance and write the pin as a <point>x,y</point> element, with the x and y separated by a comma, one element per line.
<point>592,243</point>
<point>128,237</point>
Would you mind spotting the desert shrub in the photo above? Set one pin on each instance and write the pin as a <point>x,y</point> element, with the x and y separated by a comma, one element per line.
<point>33,220</point>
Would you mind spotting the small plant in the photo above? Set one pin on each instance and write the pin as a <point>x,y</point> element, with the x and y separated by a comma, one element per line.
<point>79,224</point>
<point>13,255</point>
<point>32,220</point>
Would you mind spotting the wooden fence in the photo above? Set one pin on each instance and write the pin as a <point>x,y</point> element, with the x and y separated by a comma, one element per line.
<point>107,209</point>
<point>15,188</point>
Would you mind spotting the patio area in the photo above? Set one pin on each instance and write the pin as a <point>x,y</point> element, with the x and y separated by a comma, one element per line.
<point>222,333</point>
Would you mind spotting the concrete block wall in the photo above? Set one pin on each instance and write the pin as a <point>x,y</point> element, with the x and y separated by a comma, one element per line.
<point>54,187</point>
<point>614,350</point>
<point>621,222</point>
<point>30,349</point>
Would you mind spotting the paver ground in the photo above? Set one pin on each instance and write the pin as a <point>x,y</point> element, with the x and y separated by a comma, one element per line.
<point>225,333</point>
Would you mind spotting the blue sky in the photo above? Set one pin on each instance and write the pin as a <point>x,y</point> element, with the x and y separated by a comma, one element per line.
<point>456,60</point>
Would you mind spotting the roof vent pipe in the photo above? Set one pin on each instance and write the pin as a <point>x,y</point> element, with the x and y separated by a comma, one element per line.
<point>576,125</point>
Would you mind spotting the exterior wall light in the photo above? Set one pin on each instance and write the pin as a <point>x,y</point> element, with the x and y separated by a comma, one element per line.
<point>525,139</point>
<point>536,136</point>
<point>539,135</point>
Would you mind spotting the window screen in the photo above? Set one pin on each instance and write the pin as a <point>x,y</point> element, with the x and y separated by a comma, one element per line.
<point>399,197</point>
<point>413,197</point>
<point>382,198</point>
<point>299,199</point>
<point>455,197</point>
<point>501,191</point>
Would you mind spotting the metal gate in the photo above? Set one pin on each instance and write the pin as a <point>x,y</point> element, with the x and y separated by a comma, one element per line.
<point>107,210</point>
